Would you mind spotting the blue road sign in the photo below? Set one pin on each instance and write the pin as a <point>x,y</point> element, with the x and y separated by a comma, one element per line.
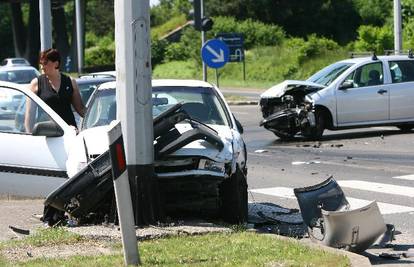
<point>215,53</point>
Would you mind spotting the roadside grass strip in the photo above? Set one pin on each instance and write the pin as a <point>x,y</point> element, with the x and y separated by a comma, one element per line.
<point>215,249</point>
<point>385,208</point>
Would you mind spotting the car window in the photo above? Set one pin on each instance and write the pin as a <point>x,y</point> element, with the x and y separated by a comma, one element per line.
<point>201,103</point>
<point>328,74</point>
<point>401,71</point>
<point>366,75</point>
<point>18,76</point>
<point>13,115</point>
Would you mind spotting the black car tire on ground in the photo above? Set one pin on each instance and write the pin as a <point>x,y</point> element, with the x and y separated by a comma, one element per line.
<point>233,198</point>
<point>405,127</point>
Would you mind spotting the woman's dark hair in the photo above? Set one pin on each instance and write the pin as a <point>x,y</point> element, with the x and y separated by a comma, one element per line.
<point>50,54</point>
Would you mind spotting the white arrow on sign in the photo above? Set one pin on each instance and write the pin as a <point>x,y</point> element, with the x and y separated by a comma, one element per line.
<point>219,58</point>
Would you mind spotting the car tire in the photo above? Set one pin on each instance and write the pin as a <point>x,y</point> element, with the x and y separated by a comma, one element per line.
<point>406,127</point>
<point>233,198</point>
<point>316,132</point>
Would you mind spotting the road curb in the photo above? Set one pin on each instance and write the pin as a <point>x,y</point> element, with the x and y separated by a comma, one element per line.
<point>240,103</point>
<point>355,259</point>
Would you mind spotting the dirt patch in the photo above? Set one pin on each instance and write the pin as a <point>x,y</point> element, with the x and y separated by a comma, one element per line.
<point>83,248</point>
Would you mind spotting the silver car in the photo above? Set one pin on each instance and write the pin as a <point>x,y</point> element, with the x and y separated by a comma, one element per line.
<point>356,92</point>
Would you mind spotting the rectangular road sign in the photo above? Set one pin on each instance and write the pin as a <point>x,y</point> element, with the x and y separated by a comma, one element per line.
<point>234,42</point>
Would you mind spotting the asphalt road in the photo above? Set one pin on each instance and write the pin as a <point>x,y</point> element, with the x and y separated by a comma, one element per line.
<point>365,162</point>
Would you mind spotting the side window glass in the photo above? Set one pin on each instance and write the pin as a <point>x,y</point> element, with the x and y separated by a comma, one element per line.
<point>369,75</point>
<point>19,113</point>
<point>401,71</point>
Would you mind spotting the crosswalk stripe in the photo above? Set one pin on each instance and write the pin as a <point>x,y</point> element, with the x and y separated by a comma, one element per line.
<point>286,192</point>
<point>405,177</point>
<point>378,187</point>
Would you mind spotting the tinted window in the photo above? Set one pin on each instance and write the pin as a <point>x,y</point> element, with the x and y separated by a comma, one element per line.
<point>402,71</point>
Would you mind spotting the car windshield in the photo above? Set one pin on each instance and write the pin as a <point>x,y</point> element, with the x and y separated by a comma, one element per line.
<point>18,76</point>
<point>201,103</point>
<point>328,74</point>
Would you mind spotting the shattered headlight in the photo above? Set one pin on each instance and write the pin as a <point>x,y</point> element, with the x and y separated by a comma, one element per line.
<point>210,165</point>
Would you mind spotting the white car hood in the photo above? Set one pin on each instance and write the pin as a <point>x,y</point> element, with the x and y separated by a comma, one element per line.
<point>281,88</point>
<point>96,140</point>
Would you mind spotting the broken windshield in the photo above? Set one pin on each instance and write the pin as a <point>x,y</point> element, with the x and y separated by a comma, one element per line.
<point>328,74</point>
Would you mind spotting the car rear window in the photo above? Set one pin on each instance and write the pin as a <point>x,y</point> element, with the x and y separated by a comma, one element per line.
<point>402,71</point>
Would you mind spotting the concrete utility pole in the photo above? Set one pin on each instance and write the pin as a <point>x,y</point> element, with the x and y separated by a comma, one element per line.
<point>134,98</point>
<point>79,5</point>
<point>45,14</point>
<point>397,26</point>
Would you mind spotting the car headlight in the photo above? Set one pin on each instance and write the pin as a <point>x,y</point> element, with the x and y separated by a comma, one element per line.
<point>210,165</point>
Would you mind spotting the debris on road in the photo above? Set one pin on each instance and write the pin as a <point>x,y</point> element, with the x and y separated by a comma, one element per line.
<point>333,222</point>
<point>305,162</point>
<point>261,151</point>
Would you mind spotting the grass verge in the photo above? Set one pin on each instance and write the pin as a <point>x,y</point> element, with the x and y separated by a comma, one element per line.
<point>236,249</point>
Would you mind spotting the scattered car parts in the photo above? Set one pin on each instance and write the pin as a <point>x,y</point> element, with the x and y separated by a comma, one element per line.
<point>333,222</point>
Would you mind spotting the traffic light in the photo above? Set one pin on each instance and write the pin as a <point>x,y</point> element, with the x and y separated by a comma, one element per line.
<point>200,23</point>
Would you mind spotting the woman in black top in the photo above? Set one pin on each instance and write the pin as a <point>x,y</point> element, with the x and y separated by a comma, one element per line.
<point>60,92</point>
<point>57,90</point>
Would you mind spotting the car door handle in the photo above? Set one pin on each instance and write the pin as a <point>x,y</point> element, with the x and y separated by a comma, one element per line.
<point>381,91</point>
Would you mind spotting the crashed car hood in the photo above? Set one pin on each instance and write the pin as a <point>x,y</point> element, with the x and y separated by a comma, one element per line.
<point>281,88</point>
<point>96,140</point>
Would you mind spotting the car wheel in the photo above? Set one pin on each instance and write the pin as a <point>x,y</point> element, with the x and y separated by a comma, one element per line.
<point>233,198</point>
<point>316,132</point>
<point>406,127</point>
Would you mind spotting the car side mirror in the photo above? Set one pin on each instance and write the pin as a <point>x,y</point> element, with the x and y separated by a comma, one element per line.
<point>346,85</point>
<point>48,129</point>
<point>238,125</point>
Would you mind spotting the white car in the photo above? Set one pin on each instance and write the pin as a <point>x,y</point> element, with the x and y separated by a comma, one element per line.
<point>14,61</point>
<point>200,161</point>
<point>356,92</point>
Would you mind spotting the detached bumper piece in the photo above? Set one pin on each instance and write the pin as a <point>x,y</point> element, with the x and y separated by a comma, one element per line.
<point>85,191</point>
<point>91,190</point>
<point>333,222</point>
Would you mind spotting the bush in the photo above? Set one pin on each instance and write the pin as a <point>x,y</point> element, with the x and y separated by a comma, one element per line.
<point>175,51</point>
<point>255,33</point>
<point>376,39</point>
<point>158,48</point>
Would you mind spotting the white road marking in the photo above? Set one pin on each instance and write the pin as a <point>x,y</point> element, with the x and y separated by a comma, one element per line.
<point>287,192</point>
<point>405,177</point>
<point>378,187</point>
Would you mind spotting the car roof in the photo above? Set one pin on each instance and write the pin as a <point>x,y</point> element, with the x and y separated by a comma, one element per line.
<point>9,61</point>
<point>164,82</point>
<point>369,58</point>
<point>91,79</point>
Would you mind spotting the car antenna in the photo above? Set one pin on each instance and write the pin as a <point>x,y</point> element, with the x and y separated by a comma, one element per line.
<point>410,53</point>
<point>374,56</point>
